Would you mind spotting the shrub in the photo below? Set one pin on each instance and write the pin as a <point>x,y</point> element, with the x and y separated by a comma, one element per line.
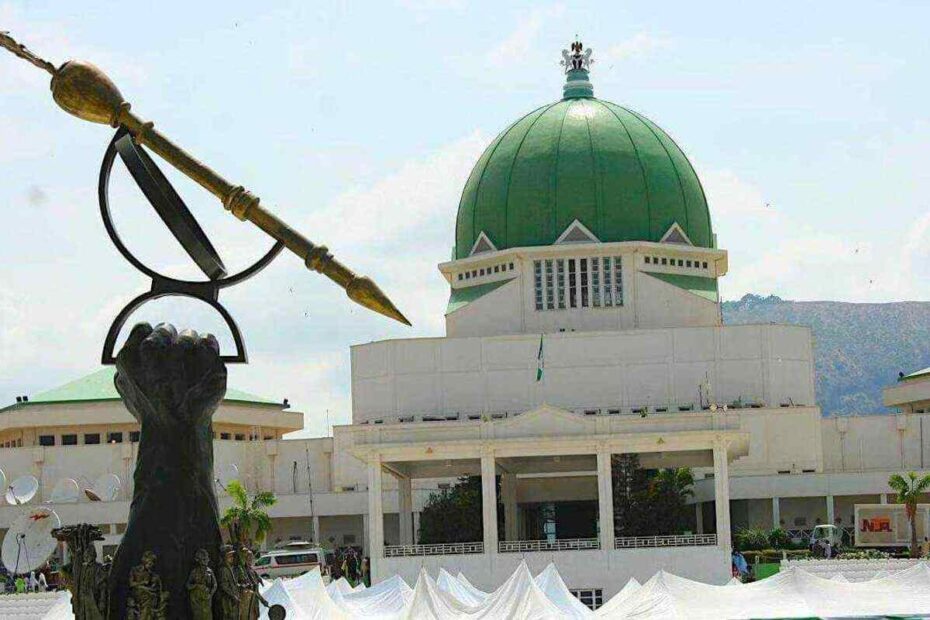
<point>751,539</point>
<point>779,539</point>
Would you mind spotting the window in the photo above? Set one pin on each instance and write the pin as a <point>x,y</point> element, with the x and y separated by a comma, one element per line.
<point>583,268</point>
<point>537,281</point>
<point>69,440</point>
<point>224,435</point>
<point>114,438</point>
<point>134,436</point>
<point>681,263</point>
<point>608,294</point>
<point>618,281</point>
<point>264,561</point>
<point>296,558</point>
<point>560,281</point>
<point>240,437</point>
<point>687,263</point>
<point>592,598</point>
<point>664,261</point>
<point>467,275</point>
<point>481,272</point>
<point>595,283</point>
<point>647,260</point>
<point>474,273</point>
<point>497,268</point>
<point>550,293</point>
<point>46,440</point>
<point>572,300</point>
<point>511,266</point>
<point>460,277</point>
<point>91,439</point>
<point>704,265</point>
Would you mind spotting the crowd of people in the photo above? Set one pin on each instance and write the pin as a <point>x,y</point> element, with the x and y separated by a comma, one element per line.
<point>36,581</point>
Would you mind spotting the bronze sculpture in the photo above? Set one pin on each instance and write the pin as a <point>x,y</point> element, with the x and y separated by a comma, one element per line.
<point>201,585</point>
<point>228,586</point>
<point>249,584</point>
<point>85,579</point>
<point>147,599</point>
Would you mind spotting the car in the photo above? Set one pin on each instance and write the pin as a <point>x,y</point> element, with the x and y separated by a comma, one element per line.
<point>291,560</point>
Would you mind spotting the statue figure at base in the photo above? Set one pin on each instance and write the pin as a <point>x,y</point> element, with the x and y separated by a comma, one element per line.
<point>249,584</point>
<point>229,585</point>
<point>85,579</point>
<point>92,587</point>
<point>147,600</point>
<point>201,585</point>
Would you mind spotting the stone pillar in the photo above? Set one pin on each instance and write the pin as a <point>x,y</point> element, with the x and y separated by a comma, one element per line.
<point>882,498</point>
<point>831,512</point>
<point>375,509</point>
<point>699,517</point>
<point>776,512</point>
<point>722,496</point>
<point>317,534</point>
<point>405,510</point>
<point>366,535</point>
<point>605,499</point>
<point>488,503</point>
<point>509,499</point>
<point>416,527</point>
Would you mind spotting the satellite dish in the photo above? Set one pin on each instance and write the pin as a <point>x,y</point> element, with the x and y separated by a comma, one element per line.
<point>66,491</point>
<point>29,541</point>
<point>22,490</point>
<point>105,489</point>
<point>227,474</point>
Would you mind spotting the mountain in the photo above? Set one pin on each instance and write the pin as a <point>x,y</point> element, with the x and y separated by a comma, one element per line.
<point>858,348</point>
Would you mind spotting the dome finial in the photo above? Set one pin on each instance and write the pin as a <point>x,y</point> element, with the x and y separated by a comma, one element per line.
<point>577,63</point>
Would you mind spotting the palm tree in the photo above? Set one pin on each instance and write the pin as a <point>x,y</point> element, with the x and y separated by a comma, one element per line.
<point>246,520</point>
<point>909,488</point>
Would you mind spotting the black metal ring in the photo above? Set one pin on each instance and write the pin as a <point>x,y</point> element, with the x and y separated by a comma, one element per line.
<point>170,207</point>
<point>162,286</point>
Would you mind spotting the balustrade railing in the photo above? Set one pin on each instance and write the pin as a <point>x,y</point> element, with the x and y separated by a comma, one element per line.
<point>399,551</point>
<point>565,544</point>
<point>682,540</point>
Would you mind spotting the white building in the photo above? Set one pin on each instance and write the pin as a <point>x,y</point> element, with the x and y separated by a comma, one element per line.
<point>584,257</point>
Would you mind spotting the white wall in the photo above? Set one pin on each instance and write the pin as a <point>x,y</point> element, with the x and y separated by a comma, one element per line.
<point>770,363</point>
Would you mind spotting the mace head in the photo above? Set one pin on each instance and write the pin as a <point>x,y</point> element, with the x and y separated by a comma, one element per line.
<point>365,292</point>
<point>85,91</point>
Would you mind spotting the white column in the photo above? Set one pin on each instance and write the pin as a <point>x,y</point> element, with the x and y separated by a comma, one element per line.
<point>366,535</point>
<point>317,534</point>
<point>509,499</point>
<point>375,509</point>
<point>776,512</point>
<point>488,503</point>
<point>831,512</point>
<point>416,527</point>
<point>722,496</point>
<point>605,499</point>
<point>882,498</point>
<point>699,517</point>
<point>405,509</point>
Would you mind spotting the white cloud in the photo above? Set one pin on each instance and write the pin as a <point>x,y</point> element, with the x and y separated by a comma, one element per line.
<point>521,42</point>
<point>639,45</point>
<point>728,194</point>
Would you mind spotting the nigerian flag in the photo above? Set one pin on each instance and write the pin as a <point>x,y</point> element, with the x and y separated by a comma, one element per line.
<point>540,361</point>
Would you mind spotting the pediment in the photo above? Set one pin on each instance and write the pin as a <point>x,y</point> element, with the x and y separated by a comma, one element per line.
<point>544,421</point>
<point>675,234</point>
<point>482,244</point>
<point>577,233</point>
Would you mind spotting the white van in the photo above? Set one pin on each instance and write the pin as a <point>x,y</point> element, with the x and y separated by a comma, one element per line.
<point>291,560</point>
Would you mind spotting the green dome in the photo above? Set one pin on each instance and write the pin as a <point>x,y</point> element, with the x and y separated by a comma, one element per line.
<point>581,158</point>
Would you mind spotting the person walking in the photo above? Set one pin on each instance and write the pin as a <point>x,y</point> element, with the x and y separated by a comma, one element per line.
<point>43,582</point>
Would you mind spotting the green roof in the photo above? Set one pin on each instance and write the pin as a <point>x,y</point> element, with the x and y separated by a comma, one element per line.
<point>702,287</point>
<point>581,158</point>
<point>98,386</point>
<point>461,297</point>
<point>919,374</point>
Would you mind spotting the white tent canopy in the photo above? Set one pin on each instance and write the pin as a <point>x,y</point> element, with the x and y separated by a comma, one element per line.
<point>793,593</point>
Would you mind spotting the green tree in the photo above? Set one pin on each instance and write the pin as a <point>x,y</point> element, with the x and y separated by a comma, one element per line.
<point>649,502</point>
<point>246,520</point>
<point>667,499</point>
<point>909,487</point>
<point>454,514</point>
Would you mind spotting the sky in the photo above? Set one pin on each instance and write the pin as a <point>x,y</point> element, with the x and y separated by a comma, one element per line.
<point>358,123</point>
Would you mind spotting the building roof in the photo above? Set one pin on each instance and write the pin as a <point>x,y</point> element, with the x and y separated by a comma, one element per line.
<point>917,374</point>
<point>461,297</point>
<point>581,158</point>
<point>98,386</point>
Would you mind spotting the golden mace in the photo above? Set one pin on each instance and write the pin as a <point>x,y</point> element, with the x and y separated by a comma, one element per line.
<point>83,90</point>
